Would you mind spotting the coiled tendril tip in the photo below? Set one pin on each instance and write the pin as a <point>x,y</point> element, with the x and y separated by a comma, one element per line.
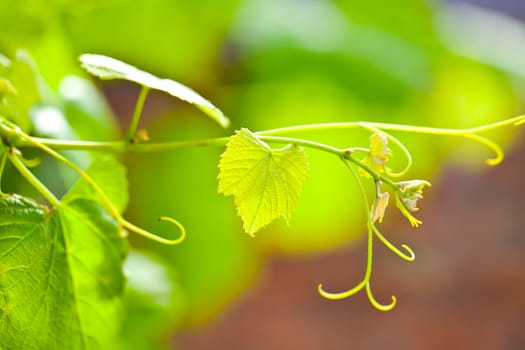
<point>364,284</point>
<point>492,146</point>
<point>342,295</point>
<point>377,305</point>
<point>154,237</point>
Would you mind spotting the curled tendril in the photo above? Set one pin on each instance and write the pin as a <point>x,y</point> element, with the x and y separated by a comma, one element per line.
<point>153,237</point>
<point>408,256</point>
<point>491,145</point>
<point>398,143</point>
<point>363,284</point>
<point>376,304</point>
<point>122,223</point>
<point>341,295</point>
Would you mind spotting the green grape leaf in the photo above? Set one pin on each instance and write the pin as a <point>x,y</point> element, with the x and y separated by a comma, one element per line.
<point>61,279</point>
<point>265,182</point>
<point>109,68</point>
<point>110,176</point>
<point>378,155</point>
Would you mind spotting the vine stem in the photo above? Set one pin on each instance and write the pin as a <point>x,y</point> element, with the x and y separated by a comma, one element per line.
<point>340,152</point>
<point>32,179</point>
<point>123,146</point>
<point>137,113</point>
<point>306,143</point>
<point>393,127</point>
<point>268,135</point>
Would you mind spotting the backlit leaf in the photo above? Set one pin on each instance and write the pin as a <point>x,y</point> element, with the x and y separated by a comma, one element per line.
<point>22,90</point>
<point>61,278</point>
<point>265,182</point>
<point>109,68</point>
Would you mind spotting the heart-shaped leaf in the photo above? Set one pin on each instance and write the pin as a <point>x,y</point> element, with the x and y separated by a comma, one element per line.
<point>265,182</point>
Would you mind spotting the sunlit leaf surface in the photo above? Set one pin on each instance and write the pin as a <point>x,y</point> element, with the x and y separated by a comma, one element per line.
<point>60,276</point>
<point>265,182</point>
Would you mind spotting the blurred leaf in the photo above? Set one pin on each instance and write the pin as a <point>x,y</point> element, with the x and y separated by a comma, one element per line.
<point>110,175</point>
<point>154,302</point>
<point>265,182</point>
<point>86,110</point>
<point>5,63</point>
<point>23,77</point>
<point>107,68</point>
<point>411,20</point>
<point>149,277</point>
<point>54,56</point>
<point>371,63</point>
<point>78,112</point>
<point>49,121</point>
<point>60,275</point>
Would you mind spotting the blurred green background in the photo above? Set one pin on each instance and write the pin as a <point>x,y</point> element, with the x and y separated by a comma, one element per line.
<point>266,64</point>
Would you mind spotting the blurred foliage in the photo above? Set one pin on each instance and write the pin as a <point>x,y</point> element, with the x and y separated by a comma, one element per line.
<point>266,63</point>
